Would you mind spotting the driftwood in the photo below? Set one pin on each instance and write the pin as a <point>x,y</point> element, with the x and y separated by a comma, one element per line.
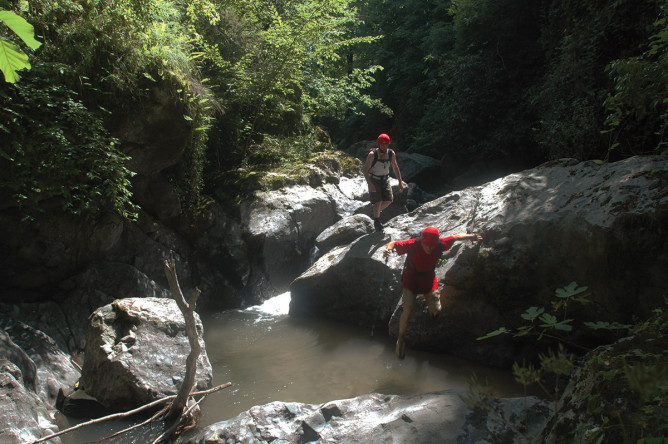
<point>176,411</point>
<point>129,413</point>
<point>188,310</point>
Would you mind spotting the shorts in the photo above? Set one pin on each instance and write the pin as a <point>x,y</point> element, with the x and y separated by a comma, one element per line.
<point>383,191</point>
<point>408,299</point>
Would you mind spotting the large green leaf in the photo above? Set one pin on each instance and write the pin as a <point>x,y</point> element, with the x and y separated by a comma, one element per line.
<point>12,59</point>
<point>20,27</point>
<point>499,331</point>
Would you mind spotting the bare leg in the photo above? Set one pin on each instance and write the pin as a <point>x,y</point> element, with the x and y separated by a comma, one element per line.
<point>377,209</point>
<point>384,204</point>
<point>400,349</point>
<point>403,321</point>
<point>380,206</point>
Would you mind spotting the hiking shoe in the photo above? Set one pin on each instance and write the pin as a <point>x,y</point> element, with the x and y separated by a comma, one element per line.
<point>400,349</point>
<point>377,225</point>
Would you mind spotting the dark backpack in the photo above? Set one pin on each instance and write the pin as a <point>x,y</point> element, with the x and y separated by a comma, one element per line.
<point>409,256</point>
<point>390,152</point>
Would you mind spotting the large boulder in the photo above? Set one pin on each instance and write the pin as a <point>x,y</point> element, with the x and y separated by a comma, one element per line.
<point>438,417</point>
<point>342,233</point>
<point>281,226</point>
<point>418,168</point>
<point>601,226</point>
<point>44,365</point>
<point>136,351</point>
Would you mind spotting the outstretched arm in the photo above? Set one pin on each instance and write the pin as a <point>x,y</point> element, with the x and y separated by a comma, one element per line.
<point>475,237</point>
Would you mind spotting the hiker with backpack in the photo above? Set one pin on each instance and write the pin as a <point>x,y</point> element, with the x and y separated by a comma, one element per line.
<point>419,276</point>
<point>377,175</point>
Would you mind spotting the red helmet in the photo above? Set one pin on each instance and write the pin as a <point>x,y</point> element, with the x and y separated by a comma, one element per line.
<point>384,139</point>
<point>430,236</point>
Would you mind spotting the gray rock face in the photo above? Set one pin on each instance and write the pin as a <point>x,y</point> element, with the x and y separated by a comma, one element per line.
<point>343,232</point>
<point>283,225</point>
<point>418,168</point>
<point>598,225</point>
<point>439,417</point>
<point>136,351</point>
<point>32,369</point>
<point>24,417</point>
<point>52,367</point>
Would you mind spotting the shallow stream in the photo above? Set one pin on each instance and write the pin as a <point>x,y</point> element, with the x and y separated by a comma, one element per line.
<point>270,356</point>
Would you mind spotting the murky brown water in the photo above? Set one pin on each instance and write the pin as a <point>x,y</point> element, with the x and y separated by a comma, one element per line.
<point>269,356</point>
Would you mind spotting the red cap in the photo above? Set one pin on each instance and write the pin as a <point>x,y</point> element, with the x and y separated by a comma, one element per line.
<point>430,236</point>
<point>384,139</point>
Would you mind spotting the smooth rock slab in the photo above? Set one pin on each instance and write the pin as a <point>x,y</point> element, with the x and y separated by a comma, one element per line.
<point>438,417</point>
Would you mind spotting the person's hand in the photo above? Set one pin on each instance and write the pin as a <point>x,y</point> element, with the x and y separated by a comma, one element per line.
<point>386,253</point>
<point>401,186</point>
<point>476,237</point>
<point>372,188</point>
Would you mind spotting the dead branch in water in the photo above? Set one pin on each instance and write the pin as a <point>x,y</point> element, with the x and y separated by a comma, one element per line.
<point>129,413</point>
<point>176,411</point>
<point>188,310</point>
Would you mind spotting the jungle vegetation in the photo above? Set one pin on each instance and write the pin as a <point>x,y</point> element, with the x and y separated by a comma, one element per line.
<point>265,83</point>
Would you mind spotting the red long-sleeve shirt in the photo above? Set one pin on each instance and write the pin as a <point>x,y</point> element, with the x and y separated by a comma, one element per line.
<point>419,274</point>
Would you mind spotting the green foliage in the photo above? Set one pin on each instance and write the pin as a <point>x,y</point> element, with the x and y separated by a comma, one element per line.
<point>517,82</point>
<point>59,153</point>
<point>109,57</point>
<point>583,41</point>
<point>558,364</point>
<point>620,391</point>
<point>638,106</point>
<point>12,58</point>
<point>625,388</point>
<point>416,34</point>
<point>543,324</point>
<point>277,64</point>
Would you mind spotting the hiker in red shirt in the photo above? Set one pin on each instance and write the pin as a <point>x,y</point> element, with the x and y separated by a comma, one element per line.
<point>419,276</point>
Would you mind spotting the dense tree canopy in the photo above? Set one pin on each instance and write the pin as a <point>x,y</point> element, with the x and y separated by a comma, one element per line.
<point>262,83</point>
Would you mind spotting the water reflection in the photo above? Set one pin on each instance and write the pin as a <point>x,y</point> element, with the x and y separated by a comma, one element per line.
<point>269,356</point>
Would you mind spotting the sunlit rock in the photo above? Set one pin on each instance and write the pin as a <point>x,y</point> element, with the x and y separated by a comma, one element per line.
<point>439,417</point>
<point>136,352</point>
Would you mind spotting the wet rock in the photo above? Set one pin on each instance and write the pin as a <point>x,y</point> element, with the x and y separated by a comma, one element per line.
<point>343,232</point>
<point>136,351</point>
<point>44,365</point>
<point>31,368</point>
<point>26,370</point>
<point>24,417</point>
<point>442,417</point>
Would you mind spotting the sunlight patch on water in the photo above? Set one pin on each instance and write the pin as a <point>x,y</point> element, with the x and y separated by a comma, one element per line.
<point>276,306</point>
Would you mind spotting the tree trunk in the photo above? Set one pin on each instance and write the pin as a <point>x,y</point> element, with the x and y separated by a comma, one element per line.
<point>188,310</point>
